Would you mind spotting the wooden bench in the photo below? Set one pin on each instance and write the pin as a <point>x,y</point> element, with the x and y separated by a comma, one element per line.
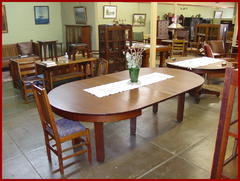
<point>12,52</point>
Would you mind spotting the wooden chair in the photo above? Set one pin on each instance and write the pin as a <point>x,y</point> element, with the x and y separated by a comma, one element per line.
<point>229,93</point>
<point>27,76</point>
<point>101,67</point>
<point>178,48</point>
<point>209,53</point>
<point>60,131</point>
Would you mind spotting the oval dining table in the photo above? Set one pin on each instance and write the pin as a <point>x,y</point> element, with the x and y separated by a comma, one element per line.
<point>71,101</point>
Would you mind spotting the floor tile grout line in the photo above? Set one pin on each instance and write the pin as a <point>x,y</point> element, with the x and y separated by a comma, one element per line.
<point>194,164</point>
<point>174,156</point>
<point>25,156</point>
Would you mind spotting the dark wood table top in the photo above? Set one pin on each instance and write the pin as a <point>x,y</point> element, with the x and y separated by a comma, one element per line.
<point>217,67</point>
<point>62,61</point>
<point>71,99</point>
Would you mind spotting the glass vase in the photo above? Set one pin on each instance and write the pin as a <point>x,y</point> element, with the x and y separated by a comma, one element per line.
<point>134,73</point>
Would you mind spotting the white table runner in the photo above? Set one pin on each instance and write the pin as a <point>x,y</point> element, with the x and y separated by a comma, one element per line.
<point>196,62</point>
<point>124,85</point>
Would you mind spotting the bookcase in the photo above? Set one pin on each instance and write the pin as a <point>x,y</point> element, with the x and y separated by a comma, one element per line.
<point>112,43</point>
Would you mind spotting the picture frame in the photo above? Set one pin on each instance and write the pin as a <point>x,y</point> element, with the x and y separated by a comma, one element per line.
<point>4,20</point>
<point>218,14</point>
<point>139,19</point>
<point>41,15</point>
<point>109,12</point>
<point>80,14</point>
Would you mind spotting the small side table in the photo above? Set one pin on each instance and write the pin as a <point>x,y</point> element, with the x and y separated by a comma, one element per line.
<point>52,49</point>
<point>73,48</point>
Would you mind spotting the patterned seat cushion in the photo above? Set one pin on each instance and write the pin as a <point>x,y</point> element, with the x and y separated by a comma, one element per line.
<point>67,127</point>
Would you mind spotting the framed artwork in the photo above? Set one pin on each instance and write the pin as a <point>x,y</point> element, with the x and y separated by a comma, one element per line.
<point>218,14</point>
<point>139,19</point>
<point>41,14</point>
<point>80,14</point>
<point>4,20</point>
<point>110,12</point>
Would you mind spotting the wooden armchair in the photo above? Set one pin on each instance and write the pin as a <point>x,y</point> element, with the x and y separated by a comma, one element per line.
<point>209,53</point>
<point>226,121</point>
<point>27,76</point>
<point>60,131</point>
<point>219,50</point>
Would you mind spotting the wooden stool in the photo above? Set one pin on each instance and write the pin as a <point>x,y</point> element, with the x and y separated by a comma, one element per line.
<point>52,49</point>
<point>73,48</point>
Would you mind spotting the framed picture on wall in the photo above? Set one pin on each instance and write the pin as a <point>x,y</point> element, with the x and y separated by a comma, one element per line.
<point>41,14</point>
<point>4,20</point>
<point>80,14</point>
<point>218,14</point>
<point>139,19</point>
<point>110,12</point>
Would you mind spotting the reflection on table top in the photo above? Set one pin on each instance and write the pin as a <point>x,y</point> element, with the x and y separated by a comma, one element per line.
<point>145,45</point>
<point>170,41</point>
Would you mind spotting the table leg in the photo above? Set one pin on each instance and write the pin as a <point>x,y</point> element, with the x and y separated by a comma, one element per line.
<point>161,60</point>
<point>133,125</point>
<point>155,108</point>
<point>180,108</point>
<point>99,141</point>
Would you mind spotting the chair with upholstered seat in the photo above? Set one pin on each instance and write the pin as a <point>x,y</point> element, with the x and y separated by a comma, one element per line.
<point>27,76</point>
<point>60,131</point>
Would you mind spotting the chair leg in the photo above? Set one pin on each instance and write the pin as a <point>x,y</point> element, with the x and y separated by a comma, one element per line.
<point>60,160</point>
<point>89,146</point>
<point>47,148</point>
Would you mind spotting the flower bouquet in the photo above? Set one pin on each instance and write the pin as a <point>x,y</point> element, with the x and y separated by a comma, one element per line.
<point>134,61</point>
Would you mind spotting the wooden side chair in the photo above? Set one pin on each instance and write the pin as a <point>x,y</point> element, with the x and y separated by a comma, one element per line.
<point>225,123</point>
<point>60,131</point>
<point>28,76</point>
<point>178,48</point>
<point>101,67</point>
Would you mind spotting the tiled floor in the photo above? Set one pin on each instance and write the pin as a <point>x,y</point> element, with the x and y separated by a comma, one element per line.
<point>162,147</point>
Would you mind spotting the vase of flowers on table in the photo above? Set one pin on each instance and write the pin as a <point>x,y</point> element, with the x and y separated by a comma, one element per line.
<point>134,62</point>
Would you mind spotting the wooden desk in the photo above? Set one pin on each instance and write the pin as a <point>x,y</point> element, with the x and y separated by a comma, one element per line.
<point>79,105</point>
<point>64,66</point>
<point>214,68</point>
<point>163,50</point>
<point>169,42</point>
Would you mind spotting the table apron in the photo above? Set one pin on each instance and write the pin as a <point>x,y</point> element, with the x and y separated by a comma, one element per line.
<point>98,118</point>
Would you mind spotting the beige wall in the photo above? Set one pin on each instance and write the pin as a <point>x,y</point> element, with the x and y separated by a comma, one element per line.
<point>21,24</point>
<point>68,18</point>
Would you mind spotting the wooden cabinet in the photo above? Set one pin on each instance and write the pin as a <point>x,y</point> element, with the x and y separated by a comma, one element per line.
<point>78,34</point>
<point>112,43</point>
<point>206,32</point>
<point>162,29</point>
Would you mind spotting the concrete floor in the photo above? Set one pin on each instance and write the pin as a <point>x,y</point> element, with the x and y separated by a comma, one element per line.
<point>162,148</point>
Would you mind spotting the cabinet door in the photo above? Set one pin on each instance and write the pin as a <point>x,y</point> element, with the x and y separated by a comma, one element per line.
<point>86,36</point>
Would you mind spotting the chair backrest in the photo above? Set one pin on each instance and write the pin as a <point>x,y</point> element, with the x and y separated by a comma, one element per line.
<point>26,68</point>
<point>178,47</point>
<point>217,46</point>
<point>44,110</point>
<point>101,67</point>
<point>208,50</point>
<point>138,36</point>
<point>226,116</point>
